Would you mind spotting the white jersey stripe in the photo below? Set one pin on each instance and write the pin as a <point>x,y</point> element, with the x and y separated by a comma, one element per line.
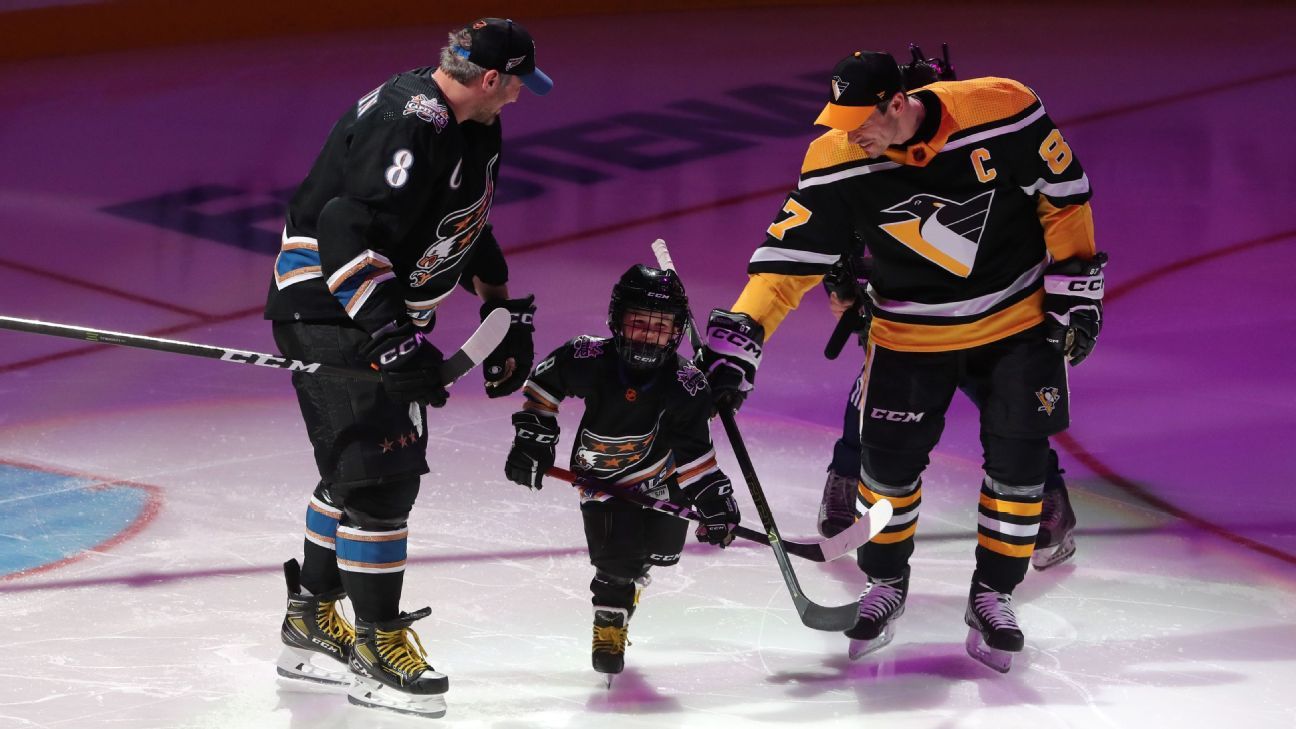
<point>770,254</point>
<point>967,307</point>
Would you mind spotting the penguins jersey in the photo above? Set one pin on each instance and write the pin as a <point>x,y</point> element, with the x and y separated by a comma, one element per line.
<point>636,433</point>
<point>960,224</point>
<point>393,213</point>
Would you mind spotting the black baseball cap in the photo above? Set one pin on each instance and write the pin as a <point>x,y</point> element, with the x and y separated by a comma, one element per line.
<point>859,83</point>
<point>507,47</point>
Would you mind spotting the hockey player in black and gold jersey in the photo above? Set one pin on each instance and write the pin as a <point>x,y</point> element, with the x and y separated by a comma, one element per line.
<point>644,428</point>
<point>845,284</point>
<point>985,276</point>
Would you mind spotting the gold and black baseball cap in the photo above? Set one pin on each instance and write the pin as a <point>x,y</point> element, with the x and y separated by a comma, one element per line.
<point>507,47</point>
<point>859,83</point>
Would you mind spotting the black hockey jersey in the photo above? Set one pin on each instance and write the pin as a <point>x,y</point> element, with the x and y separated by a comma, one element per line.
<point>960,225</point>
<point>392,214</point>
<point>636,432</point>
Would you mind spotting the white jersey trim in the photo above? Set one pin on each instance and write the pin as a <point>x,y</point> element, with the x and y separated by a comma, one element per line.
<point>847,174</point>
<point>1059,189</point>
<point>967,307</point>
<point>771,254</point>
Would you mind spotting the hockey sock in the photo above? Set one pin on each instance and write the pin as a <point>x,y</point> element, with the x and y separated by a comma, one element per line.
<point>372,565</point>
<point>1006,529</point>
<point>887,555</point>
<point>319,572</point>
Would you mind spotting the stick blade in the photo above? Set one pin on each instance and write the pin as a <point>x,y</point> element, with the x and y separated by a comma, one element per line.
<point>478,347</point>
<point>830,619</point>
<point>869,525</point>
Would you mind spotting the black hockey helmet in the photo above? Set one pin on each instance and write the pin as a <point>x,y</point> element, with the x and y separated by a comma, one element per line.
<point>659,295</point>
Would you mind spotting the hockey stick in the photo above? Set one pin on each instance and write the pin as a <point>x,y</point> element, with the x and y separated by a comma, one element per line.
<point>813,615</point>
<point>474,350</point>
<point>826,551</point>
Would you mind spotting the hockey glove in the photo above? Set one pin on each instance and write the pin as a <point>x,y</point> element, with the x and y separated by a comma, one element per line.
<point>517,346</point>
<point>1073,292</point>
<point>410,366</point>
<point>534,441</point>
<point>730,356</point>
<point>714,503</point>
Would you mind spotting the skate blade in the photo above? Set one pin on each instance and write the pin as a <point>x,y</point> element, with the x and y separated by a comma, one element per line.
<point>375,695</point>
<point>1046,557</point>
<point>302,672</point>
<point>992,658</point>
<point>860,648</point>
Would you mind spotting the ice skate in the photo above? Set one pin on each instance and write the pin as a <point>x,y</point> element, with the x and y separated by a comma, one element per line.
<point>611,636</point>
<point>880,604</point>
<point>317,638</point>
<point>837,511</point>
<point>994,636</point>
<point>1055,543</point>
<point>390,671</point>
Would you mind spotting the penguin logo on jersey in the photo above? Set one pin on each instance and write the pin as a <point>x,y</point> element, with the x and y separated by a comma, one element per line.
<point>456,233</point>
<point>1049,398</point>
<point>945,232</point>
<point>606,457</point>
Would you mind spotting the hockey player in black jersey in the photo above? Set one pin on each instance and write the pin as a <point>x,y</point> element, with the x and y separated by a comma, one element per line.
<point>845,284</point>
<point>644,428</point>
<point>985,276</point>
<point>390,220</point>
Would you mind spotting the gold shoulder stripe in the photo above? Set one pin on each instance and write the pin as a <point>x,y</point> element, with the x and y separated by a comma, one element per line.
<point>829,150</point>
<point>982,100</point>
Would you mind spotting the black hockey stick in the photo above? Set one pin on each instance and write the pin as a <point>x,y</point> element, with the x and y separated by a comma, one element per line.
<point>479,345</point>
<point>844,543</point>
<point>813,615</point>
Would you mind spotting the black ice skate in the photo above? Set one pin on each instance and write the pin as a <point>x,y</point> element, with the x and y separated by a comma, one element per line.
<point>390,671</point>
<point>837,511</point>
<point>611,636</point>
<point>880,604</point>
<point>994,636</point>
<point>317,638</point>
<point>1055,543</point>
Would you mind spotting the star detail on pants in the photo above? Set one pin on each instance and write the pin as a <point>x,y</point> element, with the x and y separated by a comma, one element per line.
<point>387,444</point>
<point>403,440</point>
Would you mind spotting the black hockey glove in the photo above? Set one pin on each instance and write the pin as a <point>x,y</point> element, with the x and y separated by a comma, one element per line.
<point>534,441</point>
<point>517,345</point>
<point>1073,292</point>
<point>848,281</point>
<point>714,503</point>
<point>409,364</point>
<point>730,356</point>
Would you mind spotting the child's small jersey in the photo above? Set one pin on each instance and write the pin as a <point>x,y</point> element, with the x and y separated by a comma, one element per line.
<point>638,428</point>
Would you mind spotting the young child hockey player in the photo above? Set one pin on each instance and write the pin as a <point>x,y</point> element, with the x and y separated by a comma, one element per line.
<point>644,428</point>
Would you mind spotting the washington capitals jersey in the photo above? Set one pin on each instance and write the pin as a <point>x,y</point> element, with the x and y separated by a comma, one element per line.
<point>634,431</point>
<point>961,223</point>
<point>392,214</point>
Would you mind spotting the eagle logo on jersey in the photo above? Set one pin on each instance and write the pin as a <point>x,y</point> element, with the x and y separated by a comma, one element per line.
<point>1049,398</point>
<point>429,110</point>
<point>455,233</point>
<point>945,232</point>
<point>606,457</point>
